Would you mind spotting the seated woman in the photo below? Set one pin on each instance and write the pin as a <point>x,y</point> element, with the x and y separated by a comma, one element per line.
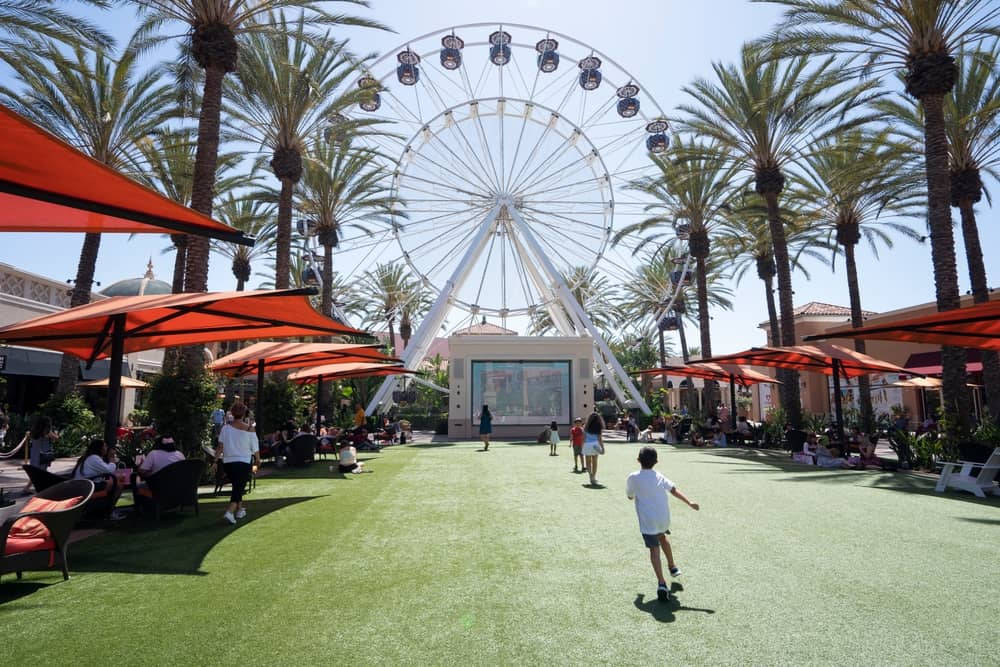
<point>348,461</point>
<point>830,457</point>
<point>98,465</point>
<point>164,453</point>
<point>719,438</point>
<point>280,440</point>
<point>696,438</point>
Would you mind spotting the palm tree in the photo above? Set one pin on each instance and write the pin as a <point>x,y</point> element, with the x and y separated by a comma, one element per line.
<point>746,242</point>
<point>167,165</point>
<point>689,195</point>
<point>101,107</point>
<point>920,37</point>
<point>387,287</point>
<point>213,30</point>
<point>342,189</point>
<point>596,295</point>
<point>290,85</point>
<point>857,185</point>
<point>254,218</point>
<point>764,116</point>
<point>24,23</point>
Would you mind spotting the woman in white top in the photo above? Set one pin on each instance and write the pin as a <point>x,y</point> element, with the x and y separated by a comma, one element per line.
<point>349,459</point>
<point>98,465</point>
<point>593,444</point>
<point>238,449</point>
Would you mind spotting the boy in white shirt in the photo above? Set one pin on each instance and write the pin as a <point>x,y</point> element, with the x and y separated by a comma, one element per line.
<point>649,490</point>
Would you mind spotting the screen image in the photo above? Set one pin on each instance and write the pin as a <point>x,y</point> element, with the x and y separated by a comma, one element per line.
<point>522,392</point>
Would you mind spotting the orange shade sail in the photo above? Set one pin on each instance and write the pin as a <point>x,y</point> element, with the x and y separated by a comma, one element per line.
<point>279,356</point>
<point>817,358</point>
<point>977,326</point>
<point>346,370</point>
<point>170,320</point>
<point>713,371</point>
<point>46,185</point>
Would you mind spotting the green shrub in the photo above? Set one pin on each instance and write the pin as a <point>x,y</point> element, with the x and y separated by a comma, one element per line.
<point>279,402</point>
<point>140,417</point>
<point>926,449</point>
<point>181,406</point>
<point>73,419</point>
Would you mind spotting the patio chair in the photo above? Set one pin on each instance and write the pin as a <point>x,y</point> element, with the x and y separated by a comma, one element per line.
<point>172,487</point>
<point>37,537</point>
<point>980,484</point>
<point>41,478</point>
<point>302,449</point>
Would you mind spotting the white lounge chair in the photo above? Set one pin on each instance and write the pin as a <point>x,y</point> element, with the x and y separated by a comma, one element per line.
<point>980,485</point>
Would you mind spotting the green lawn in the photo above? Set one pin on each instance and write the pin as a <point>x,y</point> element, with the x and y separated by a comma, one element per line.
<point>449,555</point>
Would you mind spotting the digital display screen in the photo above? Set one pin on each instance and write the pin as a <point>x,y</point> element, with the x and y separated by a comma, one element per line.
<point>522,392</point>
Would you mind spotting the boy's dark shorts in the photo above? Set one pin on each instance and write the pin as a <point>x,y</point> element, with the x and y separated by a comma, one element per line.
<point>577,449</point>
<point>653,541</point>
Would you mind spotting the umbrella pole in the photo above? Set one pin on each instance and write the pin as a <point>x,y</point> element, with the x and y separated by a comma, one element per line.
<point>260,394</point>
<point>115,380</point>
<point>837,403</point>
<point>319,392</point>
<point>732,402</point>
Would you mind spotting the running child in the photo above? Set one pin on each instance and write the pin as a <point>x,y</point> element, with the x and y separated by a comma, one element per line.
<point>576,440</point>
<point>553,438</point>
<point>649,490</point>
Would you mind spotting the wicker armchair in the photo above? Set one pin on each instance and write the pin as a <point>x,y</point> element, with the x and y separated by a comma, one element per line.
<point>41,478</point>
<point>172,487</point>
<point>302,450</point>
<point>37,537</point>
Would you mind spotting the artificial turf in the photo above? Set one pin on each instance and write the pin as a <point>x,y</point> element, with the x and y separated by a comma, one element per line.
<point>450,555</point>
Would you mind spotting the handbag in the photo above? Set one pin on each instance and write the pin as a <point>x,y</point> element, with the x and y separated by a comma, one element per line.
<point>45,458</point>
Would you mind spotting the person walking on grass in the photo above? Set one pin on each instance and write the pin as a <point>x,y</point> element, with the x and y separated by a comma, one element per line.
<point>576,437</point>
<point>485,427</point>
<point>553,438</point>
<point>593,444</point>
<point>649,490</point>
<point>238,451</point>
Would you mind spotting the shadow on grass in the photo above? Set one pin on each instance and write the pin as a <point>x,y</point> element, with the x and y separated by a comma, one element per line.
<point>11,589</point>
<point>988,522</point>
<point>665,612</point>
<point>593,486</point>
<point>177,544</point>
<point>431,445</point>
<point>872,477</point>
<point>317,470</point>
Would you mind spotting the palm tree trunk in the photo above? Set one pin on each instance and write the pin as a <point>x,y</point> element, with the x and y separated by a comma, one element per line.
<point>240,284</point>
<point>954,391</point>
<point>283,238</point>
<point>203,189</point>
<point>392,335</point>
<point>857,320</point>
<point>663,362</point>
<point>704,328</point>
<point>69,368</point>
<point>772,312</point>
<point>980,294</point>
<point>202,195</point>
<point>779,246</point>
<point>684,346</point>
<point>180,257</point>
<point>326,298</point>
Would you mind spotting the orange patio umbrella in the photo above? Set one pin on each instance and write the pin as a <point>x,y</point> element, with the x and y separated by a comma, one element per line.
<point>347,370</point>
<point>115,326</point>
<point>976,326</point>
<point>46,185</point>
<point>124,383</point>
<point>706,370</point>
<point>823,358</point>
<point>274,356</point>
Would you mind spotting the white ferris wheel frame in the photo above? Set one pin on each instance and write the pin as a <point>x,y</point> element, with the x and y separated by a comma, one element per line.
<point>567,315</point>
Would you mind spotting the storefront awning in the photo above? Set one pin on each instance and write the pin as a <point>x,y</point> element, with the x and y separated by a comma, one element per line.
<point>929,363</point>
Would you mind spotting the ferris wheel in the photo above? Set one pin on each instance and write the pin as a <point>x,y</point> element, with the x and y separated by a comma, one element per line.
<point>510,151</point>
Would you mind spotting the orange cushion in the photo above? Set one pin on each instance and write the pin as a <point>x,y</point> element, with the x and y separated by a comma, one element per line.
<point>31,528</point>
<point>144,491</point>
<point>26,544</point>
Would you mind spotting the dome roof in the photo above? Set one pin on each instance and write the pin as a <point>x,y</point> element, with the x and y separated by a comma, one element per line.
<point>144,286</point>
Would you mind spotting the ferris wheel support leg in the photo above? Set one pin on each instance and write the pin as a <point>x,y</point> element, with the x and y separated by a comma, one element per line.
<point>558,315</point>
<point>429,326</point>
<point>569,301</point>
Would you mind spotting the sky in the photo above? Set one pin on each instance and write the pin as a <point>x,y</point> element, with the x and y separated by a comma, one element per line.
<point>665,44</point>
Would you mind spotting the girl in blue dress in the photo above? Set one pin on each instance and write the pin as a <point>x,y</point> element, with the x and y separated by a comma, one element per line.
<point>485,427</point>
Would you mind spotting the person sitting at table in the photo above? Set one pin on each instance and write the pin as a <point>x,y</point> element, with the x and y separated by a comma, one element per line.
<point>718,437</point>
<point>98,464</point>
<point>696,438</point>
<point>743,426</point>
<point>280,440</point>
<point>163,453</point>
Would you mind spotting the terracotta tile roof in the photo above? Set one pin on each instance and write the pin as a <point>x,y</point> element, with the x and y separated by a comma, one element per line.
<point>817,308</point>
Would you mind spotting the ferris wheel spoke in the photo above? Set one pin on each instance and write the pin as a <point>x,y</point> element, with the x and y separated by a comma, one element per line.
<point>449,226</point>
<point>471,154</point>
<point>580,164</point>
<point>536,212</point>
<point>557,154</point>
<point>460,177</point>
<point>451,251</point>
<point>442,149</point>
<point>601,111</point>
<point>554,188</point>
<point>560,229</point>
<point>488,154</point>
<point>486,268</point>
<point>534,151</point>
<point>471,193</point>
